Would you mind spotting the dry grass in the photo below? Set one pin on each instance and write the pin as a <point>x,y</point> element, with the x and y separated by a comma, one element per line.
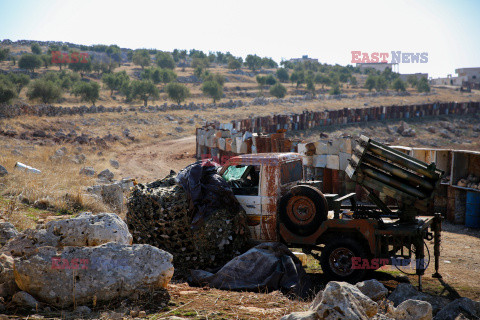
<point>207,303</point>
<point>58,188</point>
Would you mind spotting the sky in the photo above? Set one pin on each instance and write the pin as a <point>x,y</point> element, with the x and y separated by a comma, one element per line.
<point>328,30</point>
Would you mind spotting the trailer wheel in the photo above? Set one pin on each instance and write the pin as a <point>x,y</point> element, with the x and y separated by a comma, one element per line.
<point>336,260</point>
<point>303,209</point>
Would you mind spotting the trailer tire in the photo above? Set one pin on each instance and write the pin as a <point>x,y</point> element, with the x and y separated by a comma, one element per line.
<point>336,260</point>
<point>303,209</point>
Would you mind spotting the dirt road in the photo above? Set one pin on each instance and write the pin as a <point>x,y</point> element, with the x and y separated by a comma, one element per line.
<point>148,162</point>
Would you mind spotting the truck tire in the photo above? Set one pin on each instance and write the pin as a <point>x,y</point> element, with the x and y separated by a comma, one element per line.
<point>336,260</point>
<point>303,209</point>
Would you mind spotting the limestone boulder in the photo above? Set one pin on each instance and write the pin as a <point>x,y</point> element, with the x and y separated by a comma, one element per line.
<point>7,232</point>
<point>373,289</point>
<point>90,230</point>
<point>85,230</point>
<point>413,310</point>
<point>82,274</point>
<point>7,279</point>
<point>341,300</point>
<point>405,291</point>
<point>306,315</point>
<point>460,307</point>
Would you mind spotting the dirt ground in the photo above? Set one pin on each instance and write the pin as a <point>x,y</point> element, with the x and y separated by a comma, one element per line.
<point>147,162</point>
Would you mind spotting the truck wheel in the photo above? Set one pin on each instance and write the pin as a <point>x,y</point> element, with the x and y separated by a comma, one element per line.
<point>303,209</point>
<point>336,260</point>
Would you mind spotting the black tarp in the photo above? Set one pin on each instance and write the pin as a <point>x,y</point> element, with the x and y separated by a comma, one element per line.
<point>268,266</point>
<point>207,190</point>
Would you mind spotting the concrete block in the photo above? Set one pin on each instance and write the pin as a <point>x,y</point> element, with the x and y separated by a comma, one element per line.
<point>222,144</point>
<point>343,145</point>
<point>322,148</point>
<point>320,161</point>
<point>343,158</point>
<point>243,147</point>
<point>302,149</point>
<point>238,144</point>
<point>333,162</point>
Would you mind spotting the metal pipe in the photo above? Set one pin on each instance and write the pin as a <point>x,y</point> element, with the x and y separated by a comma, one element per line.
<point>378,175</point>
<point>397,171</point>
<point>406,156</point>
<point>402,161</point>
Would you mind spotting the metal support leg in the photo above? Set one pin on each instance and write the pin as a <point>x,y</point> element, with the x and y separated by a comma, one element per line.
<point>437,228</point>
<point>420,261</point>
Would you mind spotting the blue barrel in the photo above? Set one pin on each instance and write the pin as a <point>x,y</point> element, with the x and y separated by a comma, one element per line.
<point>472,214</point>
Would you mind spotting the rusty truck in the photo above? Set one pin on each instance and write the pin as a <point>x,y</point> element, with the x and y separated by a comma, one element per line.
<point>281,206</point>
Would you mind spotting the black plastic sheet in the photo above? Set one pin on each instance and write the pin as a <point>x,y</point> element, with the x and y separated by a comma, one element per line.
<point>207,191</point>
<point>268,266</point>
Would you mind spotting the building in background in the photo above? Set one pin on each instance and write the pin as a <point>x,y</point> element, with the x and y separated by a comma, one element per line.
<point>404,77</point>
<point>380,66</point>
<point>304,58</point>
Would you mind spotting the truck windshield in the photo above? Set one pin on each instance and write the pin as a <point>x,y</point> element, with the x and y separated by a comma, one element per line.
<point>234,172</point>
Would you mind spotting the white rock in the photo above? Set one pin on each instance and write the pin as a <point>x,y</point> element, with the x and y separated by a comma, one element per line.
<point>307,315</point>
<point>341,300</point>
<point>90,230</point>
<point>413,310</point>
<point>85,230</point>
<point>110,271</point>
<point>373,289</point>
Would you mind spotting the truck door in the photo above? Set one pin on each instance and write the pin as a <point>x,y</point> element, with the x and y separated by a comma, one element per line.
<point>245,182</point>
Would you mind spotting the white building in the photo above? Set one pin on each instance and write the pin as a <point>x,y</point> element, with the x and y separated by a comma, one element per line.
<point>469,74</point>
<point>380,66</point>
<point>303,59</point>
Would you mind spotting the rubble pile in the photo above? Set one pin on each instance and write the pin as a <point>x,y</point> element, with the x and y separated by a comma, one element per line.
<point>159,214</point>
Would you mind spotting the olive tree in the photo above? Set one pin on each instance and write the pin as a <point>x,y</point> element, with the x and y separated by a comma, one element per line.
<point>30,62</point>
<point>88,91</point>
<point>212,89</point>
<point>45,90</point>
<point>7,91</point>
<point>278,90</point>
<point>141,57</point>
<point>143,90</point>
<point>177,92</point>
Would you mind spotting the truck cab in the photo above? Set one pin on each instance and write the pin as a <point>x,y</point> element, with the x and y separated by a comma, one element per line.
<point>263,185</point>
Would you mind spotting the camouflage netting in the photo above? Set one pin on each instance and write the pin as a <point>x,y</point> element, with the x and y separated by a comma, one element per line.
<point>158,214</point>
